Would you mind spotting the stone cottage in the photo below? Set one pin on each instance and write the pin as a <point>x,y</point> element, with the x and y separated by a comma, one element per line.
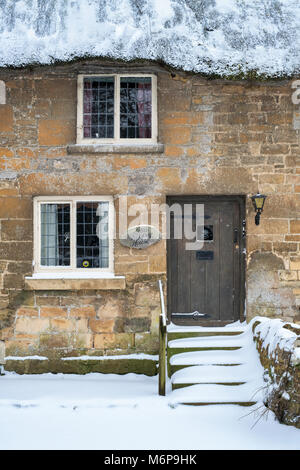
<point>81,139</point>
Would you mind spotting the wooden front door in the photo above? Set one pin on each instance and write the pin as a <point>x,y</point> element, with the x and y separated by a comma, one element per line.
<point>210,280</point>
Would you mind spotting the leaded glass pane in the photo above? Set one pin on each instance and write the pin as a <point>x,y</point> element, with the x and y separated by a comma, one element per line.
<point>55,234</point>
<point>135,108</point>
<point>92,235</point>
<point>98,107</point>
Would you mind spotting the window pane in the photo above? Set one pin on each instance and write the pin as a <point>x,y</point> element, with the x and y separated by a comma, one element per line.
<point>135,108</point>
<point>205,233</point>
<point>92,235</point>
<point>98,107</point>
<point>55,234</point>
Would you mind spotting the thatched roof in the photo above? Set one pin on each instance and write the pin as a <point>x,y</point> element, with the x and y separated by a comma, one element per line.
<point>221,37</point>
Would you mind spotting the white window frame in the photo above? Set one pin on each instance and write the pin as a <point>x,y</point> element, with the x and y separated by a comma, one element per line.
<point>116,140</point>
<point>72,200</point>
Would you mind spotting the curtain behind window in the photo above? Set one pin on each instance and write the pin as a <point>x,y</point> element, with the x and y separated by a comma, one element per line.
<point>49,235</point>
<point>144,97</point>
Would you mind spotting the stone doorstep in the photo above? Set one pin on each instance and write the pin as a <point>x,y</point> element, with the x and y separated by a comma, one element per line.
<point>117,283</point>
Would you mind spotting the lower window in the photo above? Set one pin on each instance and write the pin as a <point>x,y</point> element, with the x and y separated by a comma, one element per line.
<point>73,233</point>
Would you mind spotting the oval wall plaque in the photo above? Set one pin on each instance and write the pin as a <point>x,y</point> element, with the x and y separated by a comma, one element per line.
<point>140,236</point>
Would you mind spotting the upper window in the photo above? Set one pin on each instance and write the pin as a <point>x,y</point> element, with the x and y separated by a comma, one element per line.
<point>116,108</point>
<point>73,233</point>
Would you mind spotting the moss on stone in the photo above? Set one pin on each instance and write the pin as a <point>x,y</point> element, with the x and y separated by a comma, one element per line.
<point>105,366</point>
<point>147,343</point>
<point>16,300</point>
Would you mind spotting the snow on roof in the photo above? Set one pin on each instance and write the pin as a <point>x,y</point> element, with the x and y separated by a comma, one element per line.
<point>223,37</point>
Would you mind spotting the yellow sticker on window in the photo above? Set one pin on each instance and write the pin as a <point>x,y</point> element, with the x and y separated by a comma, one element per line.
<point>85,264</point>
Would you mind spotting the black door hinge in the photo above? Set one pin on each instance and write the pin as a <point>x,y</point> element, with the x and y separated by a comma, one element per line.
<point>244,233</point>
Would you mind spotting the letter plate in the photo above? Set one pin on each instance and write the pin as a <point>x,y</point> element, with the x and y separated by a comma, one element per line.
<point>204,255</point>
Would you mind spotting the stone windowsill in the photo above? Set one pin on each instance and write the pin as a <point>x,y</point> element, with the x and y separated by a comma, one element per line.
<point>69,281</point>
<point>115,148</point>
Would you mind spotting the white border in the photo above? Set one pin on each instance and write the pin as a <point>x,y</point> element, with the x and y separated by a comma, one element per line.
<point>72,201</point>
<point>116,140</point>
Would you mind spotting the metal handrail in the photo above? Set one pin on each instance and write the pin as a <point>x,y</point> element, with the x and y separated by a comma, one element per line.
<point>162,343</point>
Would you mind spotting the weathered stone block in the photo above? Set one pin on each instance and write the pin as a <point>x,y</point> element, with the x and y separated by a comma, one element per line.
<point>292,238</point>
<point>17,251</point>
<point>275,149</point>
<point>53,312</point>
<point>147,342</point>
<point>54,132</point>
<point>112,308</point>
<point>295,226</point>
<point>83,340</point>
<point>269,226</point>
<point>31,325</point>
<point>157,264</point>
<point>114,341</point>
<point>6,118</point>
<point>13,281</point>
<point>62,324</point>
<point>295,264</point>
<point>20,347</point>
<point>16,208</point>
<point>288,275</point>
<point>132,268</point>
<point>101,326</point>
<point>56,89</point>
<point>27,312</point>
<point>47,301</point>
<point>284,247</point>
<point>177,136</point>
<point>84,312</point>
<point>146,295</point>
<point>50,341</point>
<point>137,324</point>
<point>6,152</point>
<point>169,178</point>
<point>82,325</point>
<point>16,230</point>
<point>19,267</point>
<point>271,178</point>
<point>99,341</point>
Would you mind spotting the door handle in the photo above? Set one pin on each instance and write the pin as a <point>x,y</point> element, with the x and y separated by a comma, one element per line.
<point>235,235</point>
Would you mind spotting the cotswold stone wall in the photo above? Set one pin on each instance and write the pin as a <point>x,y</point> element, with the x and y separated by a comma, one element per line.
<point>282,394</point>
<point>219,137</point>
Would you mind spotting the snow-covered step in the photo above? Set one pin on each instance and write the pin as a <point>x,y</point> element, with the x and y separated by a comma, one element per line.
<point>176,331</point>
<point>246,394</point>
<point>208,342</point>
<point>217,365</point>
<point>213,375</point>
<point>231,328</point>
<point>207,357</point>
<point>214,357</point>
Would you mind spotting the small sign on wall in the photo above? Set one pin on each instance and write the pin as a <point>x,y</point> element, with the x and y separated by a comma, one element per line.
<point>140,237</point>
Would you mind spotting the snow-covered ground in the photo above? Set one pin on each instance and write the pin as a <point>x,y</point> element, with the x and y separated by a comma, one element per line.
<point>98,411</point>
